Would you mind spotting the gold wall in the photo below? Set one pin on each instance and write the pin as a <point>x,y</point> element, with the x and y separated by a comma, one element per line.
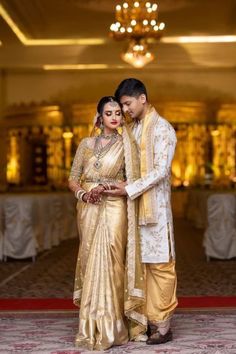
<point>38,143</point>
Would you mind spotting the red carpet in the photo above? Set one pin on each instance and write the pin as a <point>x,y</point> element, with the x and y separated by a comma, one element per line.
<point>67,304</point>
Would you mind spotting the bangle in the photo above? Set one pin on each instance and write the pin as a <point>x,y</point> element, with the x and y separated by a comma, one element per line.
<point>79,193</point>
<point>81,198</point>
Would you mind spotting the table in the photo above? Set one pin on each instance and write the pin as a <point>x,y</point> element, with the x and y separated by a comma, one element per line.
<point>196,208</point>
<point>34,222</point>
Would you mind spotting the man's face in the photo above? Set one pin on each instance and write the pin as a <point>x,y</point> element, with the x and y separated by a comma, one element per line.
<point>133,106</point>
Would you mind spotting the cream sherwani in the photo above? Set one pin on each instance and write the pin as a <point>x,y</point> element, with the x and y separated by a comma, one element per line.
<point>157,240</point>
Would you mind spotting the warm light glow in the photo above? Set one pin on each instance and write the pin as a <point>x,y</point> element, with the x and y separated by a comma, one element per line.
<point>76,67</point>
<point>215,132</point>
<point>200,39</point>
<point>161,25</point>
<point>186,183</point>
<point>45,42</point>
<point>137,55</point>
<point>0,43</point>
<point>13,168</point>
<point>154,7</point>
<point>67,135</point>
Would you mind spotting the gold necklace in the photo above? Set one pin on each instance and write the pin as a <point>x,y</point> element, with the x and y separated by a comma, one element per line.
<point>100,151</point>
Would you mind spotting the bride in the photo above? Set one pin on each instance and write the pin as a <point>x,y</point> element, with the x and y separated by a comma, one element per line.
<point>109,282</point>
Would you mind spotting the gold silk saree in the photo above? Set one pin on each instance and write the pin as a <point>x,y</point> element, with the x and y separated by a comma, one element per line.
<point>109,281</point>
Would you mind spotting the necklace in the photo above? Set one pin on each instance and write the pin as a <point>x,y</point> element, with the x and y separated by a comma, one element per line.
<point>108,136</point>
<point>100,150</point>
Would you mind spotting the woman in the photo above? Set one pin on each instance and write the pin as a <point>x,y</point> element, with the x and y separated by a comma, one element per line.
<point>109,277</point>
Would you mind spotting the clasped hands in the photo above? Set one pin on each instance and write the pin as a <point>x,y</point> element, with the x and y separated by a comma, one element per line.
<point>94,196</point>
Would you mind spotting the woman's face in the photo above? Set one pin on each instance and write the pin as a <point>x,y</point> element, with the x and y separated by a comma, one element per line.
<point>111,116</point>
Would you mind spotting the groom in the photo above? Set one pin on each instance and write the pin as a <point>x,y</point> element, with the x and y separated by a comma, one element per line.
<point>156,140</point>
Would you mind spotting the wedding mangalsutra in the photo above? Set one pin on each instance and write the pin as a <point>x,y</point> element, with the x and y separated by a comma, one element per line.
<point>100,151</point>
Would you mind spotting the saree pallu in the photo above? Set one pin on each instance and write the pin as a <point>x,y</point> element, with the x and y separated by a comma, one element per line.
<point>102,287</point>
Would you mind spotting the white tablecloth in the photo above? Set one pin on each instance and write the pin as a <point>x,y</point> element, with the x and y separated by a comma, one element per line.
<point>220,235</point>
<point>31,223</point>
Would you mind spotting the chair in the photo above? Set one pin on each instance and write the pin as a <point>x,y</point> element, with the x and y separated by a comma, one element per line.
<point>70,223</point>
<point>220,235</point>
<point>19,238</point>
<point>1,226</point>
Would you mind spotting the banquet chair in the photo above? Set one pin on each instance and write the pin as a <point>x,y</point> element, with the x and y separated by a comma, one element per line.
<point>19,239</point>
<point>1,227</point>
<point>220,236</point>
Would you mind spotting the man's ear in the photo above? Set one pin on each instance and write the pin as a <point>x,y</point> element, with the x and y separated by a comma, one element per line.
<point>143,98</point>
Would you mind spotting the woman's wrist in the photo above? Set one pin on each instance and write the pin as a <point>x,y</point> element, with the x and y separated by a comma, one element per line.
<point>79,194</point>
<point>84,197</point>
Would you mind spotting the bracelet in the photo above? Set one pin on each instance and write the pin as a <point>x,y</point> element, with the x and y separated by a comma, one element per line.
<point>81,198</point>
<point>80,193</point>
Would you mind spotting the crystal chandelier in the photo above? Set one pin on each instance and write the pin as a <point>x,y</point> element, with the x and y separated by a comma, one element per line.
<point>137,22</point>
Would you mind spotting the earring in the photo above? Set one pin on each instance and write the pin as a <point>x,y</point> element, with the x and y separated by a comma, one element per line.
<point>119,130</point>
<point>101,125</point>
<point>98,131</point>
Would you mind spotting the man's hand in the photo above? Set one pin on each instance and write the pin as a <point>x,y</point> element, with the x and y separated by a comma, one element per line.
<point>117,189</point>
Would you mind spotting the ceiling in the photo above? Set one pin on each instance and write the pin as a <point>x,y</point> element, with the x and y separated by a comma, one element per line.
<point>84,27</point>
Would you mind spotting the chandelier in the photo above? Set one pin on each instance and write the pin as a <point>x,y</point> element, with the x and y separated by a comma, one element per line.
<point>137,22</point>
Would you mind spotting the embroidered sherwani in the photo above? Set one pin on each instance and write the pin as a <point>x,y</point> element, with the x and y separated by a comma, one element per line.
<point>157,240</point>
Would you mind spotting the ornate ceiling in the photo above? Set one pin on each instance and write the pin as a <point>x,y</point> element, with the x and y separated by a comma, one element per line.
<point>80,29</point>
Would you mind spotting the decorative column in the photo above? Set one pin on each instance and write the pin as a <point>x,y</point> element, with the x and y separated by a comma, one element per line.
<point>3,133</point>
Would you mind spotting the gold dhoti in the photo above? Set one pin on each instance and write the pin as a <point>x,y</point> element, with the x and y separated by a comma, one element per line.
<point>161,292</point>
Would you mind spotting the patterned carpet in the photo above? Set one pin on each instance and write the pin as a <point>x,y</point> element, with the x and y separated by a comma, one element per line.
<point>53,333</point>
<point>52,275</point>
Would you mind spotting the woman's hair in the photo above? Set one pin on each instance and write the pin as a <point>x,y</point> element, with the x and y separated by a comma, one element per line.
<point>100,107</point>
<point>104,100</point>
<point>130,87</point>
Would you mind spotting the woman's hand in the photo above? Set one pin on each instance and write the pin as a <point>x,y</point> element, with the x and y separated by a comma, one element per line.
<point>94,196</point>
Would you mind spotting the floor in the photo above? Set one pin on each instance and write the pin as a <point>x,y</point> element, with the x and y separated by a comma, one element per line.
<point>52,274</point>
<point>207,331</point>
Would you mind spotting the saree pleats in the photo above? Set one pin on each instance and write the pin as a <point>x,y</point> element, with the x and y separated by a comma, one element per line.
<point>109,283</point>
<point>102,320</point>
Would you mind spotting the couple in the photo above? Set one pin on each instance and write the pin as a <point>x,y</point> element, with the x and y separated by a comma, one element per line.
<point>125,281</point>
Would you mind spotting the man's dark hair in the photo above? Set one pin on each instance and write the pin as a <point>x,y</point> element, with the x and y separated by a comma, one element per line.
<point>130,87</point>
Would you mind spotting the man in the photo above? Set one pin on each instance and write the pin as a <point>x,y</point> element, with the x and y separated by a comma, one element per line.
<point>156,140</point>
